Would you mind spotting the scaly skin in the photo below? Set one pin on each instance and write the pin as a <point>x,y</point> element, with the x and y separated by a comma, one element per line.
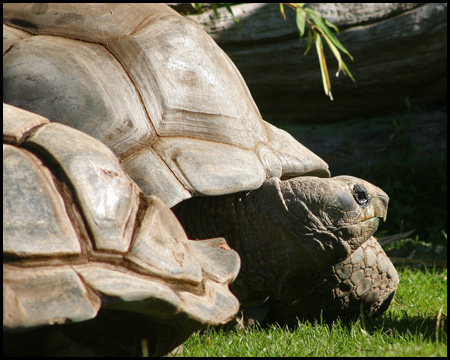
<point>289,232</point>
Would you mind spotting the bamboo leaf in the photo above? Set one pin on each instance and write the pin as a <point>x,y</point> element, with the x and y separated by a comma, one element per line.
<point>228,7</point>
<point>348,71</point>
<point>318,27</point>
<point>323,66</point>
<point>301,22</point>
<point>214,7</point>
<point>336,53</point>
<point>309,41</point>
<point>330,24</point>
<point>326,31</point>
<point>197,6</point>
<point>341,64</point>
<point>282,11</point>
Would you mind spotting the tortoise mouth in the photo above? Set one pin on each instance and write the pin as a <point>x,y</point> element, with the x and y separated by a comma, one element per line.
<point>357,234</point>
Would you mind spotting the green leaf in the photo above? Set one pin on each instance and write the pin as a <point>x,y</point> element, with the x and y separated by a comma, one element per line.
<point>197,6</point>
<point>282,11</point>
<point>348,71</point>
<point>301,22</point>
<point>330,24</point>
<point>325,30</point>
<point>318,27</point>
<point>214,7</point>
<point>336,53</point>
<point>341,64</point>
<point>310,39</point>
<point>228,7</point>
<point>323,66</point>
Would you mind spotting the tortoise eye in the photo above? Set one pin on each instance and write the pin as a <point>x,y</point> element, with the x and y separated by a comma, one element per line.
<point>361,196</point>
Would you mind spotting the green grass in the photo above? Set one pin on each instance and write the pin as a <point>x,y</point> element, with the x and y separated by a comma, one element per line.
<point>414,325</point>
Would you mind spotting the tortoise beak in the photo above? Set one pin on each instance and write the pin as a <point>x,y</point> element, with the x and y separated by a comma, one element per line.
<point>380,204</point>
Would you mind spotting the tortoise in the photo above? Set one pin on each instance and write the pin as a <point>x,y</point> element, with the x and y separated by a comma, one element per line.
<point>178,115</point>
<point>82,243</point>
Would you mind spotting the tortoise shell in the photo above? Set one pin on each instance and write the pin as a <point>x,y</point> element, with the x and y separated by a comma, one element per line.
<point>81,238</point>
<point>152,86</point>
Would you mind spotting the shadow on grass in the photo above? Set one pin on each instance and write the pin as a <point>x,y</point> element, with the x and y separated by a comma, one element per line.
<point>423,327</point>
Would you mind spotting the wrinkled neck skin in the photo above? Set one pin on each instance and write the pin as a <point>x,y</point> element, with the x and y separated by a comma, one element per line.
<point>295,225</point>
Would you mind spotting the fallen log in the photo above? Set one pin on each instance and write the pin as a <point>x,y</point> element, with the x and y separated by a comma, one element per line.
<point>400,52</point>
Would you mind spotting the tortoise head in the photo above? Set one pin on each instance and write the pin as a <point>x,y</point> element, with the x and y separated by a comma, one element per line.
<point>289,226</point>
<point>331,218</point>
<point>302,225</point>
